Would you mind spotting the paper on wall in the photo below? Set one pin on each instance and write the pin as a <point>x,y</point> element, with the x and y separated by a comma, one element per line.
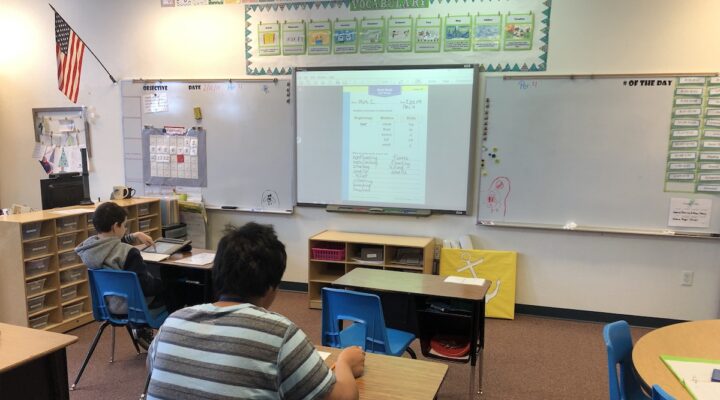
<point>685,212</point>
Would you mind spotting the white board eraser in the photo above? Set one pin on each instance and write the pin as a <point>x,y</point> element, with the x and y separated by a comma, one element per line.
<point>466,242</point>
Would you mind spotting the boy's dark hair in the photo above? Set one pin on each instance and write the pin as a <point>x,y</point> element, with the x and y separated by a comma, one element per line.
<point>108,214</point>
<point>249,261</point>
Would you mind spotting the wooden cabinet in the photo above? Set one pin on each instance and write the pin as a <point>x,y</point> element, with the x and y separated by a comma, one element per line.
<point>43,283</point>
<point>332,254</point>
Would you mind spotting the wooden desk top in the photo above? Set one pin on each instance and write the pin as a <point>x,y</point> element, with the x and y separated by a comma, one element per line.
<point>19,345</point>
<point>408,282</point>
<point>389,377</point>
<point>179,256</point>
<point>698,339</point>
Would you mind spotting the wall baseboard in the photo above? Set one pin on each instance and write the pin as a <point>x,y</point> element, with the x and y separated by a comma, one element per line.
<point>551,312</point>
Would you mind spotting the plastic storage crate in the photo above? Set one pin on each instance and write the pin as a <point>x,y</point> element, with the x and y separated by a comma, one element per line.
<point>71,275</point>
<point>66,242</point>
<point>67,259</point>
<point>37,248</point>
<point>67,224</point>
<point>144,224</point>
<point>36,303</point>
<point>68,293</point>
<point>31,230</point>
<point>36,267</point>
<point>329,252</point>
<point>39,322</point>
<point>143,209</point>
<point>35,287</point>
<point>72,310</point>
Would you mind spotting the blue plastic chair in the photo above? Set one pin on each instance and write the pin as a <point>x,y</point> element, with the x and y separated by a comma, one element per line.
<point>623,383</point>
<point>368,328</point>
<point>659,393</point>
<point>107,282</point>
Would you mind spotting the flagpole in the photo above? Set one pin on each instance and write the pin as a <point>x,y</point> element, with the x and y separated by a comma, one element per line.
<point>86,46</point>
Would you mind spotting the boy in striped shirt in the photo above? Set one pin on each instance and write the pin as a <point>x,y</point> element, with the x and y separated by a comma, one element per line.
<point>236,348</point>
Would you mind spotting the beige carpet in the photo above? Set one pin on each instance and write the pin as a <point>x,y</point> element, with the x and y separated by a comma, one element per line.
<point>526,358</point>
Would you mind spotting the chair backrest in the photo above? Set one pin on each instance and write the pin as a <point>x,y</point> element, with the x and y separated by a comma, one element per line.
<point>125,284</point>
<point>623,384</point>
<point>361,308</point>
<point>659,394</point>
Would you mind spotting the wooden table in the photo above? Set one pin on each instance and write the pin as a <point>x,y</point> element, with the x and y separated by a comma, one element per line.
<point>697,339</point>
<point>429,286</point>
<point>33,364</point>
<point>388,377</point>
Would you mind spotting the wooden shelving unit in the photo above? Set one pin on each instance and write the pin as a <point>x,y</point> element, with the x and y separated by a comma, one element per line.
<point>38,260</point>
<point>332,254</point>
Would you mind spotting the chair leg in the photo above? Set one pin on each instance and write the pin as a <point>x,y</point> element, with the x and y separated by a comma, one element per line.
<point>411,352</point>
<point>147,384</point>
<point>134,342</point>
<point>90,352</point>
<point>112,351</point>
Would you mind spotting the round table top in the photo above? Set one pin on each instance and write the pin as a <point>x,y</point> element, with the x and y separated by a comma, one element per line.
<point>698,339</point>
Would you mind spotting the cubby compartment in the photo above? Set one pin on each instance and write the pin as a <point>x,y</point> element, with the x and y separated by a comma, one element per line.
<point>143,209</point>
<point>39,322</point>
<point>67,241</point>
<point>326,272</point>
<point>67,224</point>
<point>31,230</point>
<point>144,224</point>
<point>68,293</point>
<point>327,251</point>
<point>37,248</point>
<point>37,267</point>
<point>35,287</point>
<point>72,310</point>
<point>36,304</point>
<point>72,275</point>
<point>68,259</point>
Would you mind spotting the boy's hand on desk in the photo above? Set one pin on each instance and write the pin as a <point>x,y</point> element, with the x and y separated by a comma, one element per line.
<point>143,238</point>
<point>354,357</point>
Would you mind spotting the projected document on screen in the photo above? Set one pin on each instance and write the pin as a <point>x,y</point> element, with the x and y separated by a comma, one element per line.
<point>385,137</point>
<point>385,143</point>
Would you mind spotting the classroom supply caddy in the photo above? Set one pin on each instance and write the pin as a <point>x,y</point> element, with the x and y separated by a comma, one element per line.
<point>333,254</point>
<point>43,283</point>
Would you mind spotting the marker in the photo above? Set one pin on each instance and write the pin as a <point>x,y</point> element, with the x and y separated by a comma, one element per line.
<point>228,207</point>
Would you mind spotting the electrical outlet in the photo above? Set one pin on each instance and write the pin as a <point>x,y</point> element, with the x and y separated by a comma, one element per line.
<point>687,278</point>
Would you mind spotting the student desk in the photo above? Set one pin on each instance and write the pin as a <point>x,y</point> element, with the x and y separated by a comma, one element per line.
<point>33,364</point>
<point>388,377</point>
<point>696,339</point>
<point>186,284</point>
<point>421,288</point>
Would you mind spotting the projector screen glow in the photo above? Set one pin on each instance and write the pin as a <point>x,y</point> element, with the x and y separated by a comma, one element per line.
<point>385,137</point>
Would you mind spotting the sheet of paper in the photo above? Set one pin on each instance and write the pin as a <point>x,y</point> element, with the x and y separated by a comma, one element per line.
<point>72,211</point>
<point>154,257</point>
<point>198,259</point>
<point>465,281</point>
<point>695,375</point>
<point>690,212</point>
<point>38,151</point>
<point>324,354</point>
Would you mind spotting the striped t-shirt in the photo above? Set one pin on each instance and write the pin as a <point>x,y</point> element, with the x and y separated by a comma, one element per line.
<point>236,352</point>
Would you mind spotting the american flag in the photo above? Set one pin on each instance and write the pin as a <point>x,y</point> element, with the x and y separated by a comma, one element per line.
<point>70,50</point>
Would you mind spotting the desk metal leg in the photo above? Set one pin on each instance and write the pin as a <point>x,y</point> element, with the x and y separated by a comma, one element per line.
<point>478,339</point>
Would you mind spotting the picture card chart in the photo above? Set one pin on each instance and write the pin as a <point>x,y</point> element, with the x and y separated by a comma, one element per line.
<point>694,150</point>
<point>174,157</point>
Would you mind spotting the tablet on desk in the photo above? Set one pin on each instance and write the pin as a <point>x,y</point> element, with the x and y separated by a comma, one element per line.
<point>168,246</point>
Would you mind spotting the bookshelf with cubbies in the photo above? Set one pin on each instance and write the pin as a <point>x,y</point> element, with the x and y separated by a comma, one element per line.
<point>43,283</point>
<point>332,254</point>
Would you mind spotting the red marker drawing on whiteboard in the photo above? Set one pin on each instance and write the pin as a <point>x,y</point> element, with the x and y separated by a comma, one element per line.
<point>497,197</point>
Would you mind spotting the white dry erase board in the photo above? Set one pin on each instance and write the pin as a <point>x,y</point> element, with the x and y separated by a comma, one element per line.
<point>584,154</point>
<point>249,136</point>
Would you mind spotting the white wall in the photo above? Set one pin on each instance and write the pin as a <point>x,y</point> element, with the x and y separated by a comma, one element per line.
<point>138,39</point>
